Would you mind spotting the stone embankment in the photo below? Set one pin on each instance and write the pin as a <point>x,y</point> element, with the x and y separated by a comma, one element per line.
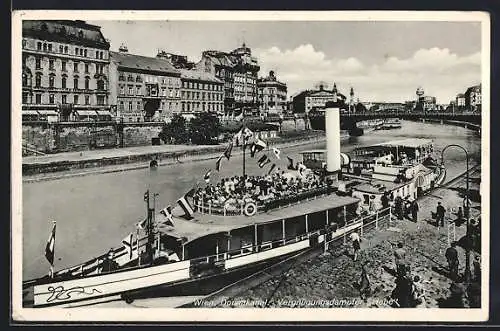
<point>112,160</point>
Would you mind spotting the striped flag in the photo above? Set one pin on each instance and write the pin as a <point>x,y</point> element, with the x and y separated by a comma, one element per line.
<point>142,224</point>
<point>276,152</point>
<point>229,149</point>
<point>186,206</point>
<point>127,243</point>
<point>290,164</point>
<point>51,244</point>
<point>217,163</point>
<point>263,161</point>
<point>271,169</point>
<point>257,146</point>
<point>207,176</point>
<point>167,212</point>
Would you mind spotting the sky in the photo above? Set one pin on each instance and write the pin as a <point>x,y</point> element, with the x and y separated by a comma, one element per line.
<point>382,61</point>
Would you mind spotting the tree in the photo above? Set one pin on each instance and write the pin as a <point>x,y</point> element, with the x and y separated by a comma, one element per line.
<point>175,131</point>
<point>204,129</point>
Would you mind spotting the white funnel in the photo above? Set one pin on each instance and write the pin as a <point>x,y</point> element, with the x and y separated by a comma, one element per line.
<point>332,128</point>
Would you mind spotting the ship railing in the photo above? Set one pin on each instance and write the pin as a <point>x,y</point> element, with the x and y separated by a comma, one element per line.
<point>374,220</point>
<point>286,200</point>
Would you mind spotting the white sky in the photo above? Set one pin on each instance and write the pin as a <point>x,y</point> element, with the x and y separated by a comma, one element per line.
<point>383,61</point>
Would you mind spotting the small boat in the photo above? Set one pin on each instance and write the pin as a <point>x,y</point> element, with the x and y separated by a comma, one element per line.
<point>388,124</point>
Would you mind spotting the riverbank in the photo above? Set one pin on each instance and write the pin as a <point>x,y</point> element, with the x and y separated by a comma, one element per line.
<point>71,164</point>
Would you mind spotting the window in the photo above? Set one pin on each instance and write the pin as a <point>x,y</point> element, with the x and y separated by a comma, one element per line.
<point>75,82</point>
<point>130,78</point>
<point>75,99</point>
<point>122,90</point>
<point>138,79</point>
<point>122,106</point>
<point>139,105</point>
<point>38,79</point>
<point>100,85</point>
<point>51,64</point>
<point>63,82</point>
<point>85,53</point>
<point>138,90</point>
<point>63,99</point>
<point>130,105</point>
<point>75,66</point>
<point>38,98</point>
<point>50,47</point>
<point>121,76</point>
<point>25,97</point>
<point>81,51</point>
<point>65,49</point>
<point>63,65</point>
<point>26,79</point>
<point>39,46</point>
<point>87,100</point>
<point>100,100</point>
<point>87,83</point>
<point>61,48</point>
<point>51,98</point>
<point>130,90</point>
<point>51,81</point>
<point>76,50</point>
<point>86,68</point>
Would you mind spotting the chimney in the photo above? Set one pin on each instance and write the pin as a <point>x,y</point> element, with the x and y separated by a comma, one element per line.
<point>332,128</point>
<point>123,48</point>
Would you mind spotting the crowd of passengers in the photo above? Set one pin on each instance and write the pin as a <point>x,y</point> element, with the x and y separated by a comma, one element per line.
<point>235,192</point>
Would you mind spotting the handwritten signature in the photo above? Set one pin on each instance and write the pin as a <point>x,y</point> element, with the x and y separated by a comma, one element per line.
<point>60,293</point>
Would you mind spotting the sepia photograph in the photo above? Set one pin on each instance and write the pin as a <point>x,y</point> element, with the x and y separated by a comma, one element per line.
<point>250,166</point>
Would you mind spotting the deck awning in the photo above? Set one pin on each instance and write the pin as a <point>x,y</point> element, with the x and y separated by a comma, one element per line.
<point>29,112</point>
<point>86,113</point>
<point>103,112</point>
<point>48,112</point>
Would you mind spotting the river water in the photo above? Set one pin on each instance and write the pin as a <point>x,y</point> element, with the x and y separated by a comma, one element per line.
<point>95,212</point>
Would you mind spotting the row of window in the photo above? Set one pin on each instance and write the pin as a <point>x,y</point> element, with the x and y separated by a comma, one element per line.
<point>100,68</point>
<point>101,84</point>
<point>138,91</point>
<point>78,51</point>
<point>201,106</point>
<point>241,79</point>
<point>148,79</point>
<point>196,95</point>
<point>201,86</point>
<point>50,99</point>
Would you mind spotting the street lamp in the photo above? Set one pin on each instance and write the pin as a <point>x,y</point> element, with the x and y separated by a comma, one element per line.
<point>466,211</point>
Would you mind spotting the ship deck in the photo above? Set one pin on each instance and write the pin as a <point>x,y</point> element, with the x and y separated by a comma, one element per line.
<point>205,224</point>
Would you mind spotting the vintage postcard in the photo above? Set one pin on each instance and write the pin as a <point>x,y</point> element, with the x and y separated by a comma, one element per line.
<point>250,166</point>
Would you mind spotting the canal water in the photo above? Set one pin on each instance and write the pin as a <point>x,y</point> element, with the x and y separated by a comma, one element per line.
<point>95,212</point>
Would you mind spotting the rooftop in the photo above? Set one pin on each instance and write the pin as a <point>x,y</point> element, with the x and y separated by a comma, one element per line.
<point>139,62</point>
<point>199,75</point>
<point>65,31</point>
<point>204,224</point>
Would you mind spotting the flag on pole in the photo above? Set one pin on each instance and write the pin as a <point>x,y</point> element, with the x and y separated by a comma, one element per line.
<point>127,243</point>
<point>271,169</point>
<point>167,212</point>
<point>247,135</point>
<point>263,161</point>
<point>276,152</point>
<point>217,163</point>
<point>290,164</point>
<point>186,206</point>
<point>142,224</point>
<point>50,247</point>
<point>207,176</point>
<point>227,152</point>
<point>257,146</point>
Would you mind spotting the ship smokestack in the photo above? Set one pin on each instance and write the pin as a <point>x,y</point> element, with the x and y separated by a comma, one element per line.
<point>332,128</point>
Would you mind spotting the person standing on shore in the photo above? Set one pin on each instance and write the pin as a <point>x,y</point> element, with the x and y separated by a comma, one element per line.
<point>414,210</point>
<point>355,244</point>
<point>451,255</point>
<point>440,214</point>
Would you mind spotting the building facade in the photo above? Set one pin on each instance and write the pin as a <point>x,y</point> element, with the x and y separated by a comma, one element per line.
<point>460,101</point>
<point>272,95</point>
<point>239,72</point>
<point>65,71</point>
<point>309,100</point>
<point>473,98</point>
<point>143,88</point>
<point>201,92</point>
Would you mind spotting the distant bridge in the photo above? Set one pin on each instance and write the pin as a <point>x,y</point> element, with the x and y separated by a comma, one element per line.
<point>474,118</point>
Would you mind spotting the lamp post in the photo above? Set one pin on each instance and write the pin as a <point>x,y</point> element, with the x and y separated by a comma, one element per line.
<point>466,211</point>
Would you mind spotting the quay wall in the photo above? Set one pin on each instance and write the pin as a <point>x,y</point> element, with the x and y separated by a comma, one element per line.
<point>164,158</point>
